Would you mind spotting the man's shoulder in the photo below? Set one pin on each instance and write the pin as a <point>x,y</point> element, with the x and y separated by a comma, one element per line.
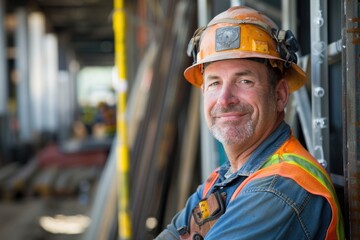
<point>273,183</point>
<point>282,188</point>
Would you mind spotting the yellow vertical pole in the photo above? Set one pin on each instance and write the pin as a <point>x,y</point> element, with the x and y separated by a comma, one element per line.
<point>122,147</point>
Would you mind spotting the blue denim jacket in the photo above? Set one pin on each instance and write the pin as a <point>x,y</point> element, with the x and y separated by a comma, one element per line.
<point>268,208</point>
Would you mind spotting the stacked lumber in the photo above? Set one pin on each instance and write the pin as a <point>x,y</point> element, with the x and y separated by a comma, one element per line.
<point>52,173</point>
<point>43,182</point>
<point>16,184</point>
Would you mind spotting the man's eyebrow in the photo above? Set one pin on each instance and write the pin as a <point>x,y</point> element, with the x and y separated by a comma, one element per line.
<point>245,73</point>
<point>210,77</point>
<point>237,74</point>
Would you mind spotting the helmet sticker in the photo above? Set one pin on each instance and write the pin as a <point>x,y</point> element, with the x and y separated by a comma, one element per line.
<point>227,38</point>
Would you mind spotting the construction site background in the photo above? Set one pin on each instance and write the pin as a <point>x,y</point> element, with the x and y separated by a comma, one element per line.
<point>68,66</point>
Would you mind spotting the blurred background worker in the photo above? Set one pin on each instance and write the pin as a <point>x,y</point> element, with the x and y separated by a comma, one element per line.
<point>271,187</point>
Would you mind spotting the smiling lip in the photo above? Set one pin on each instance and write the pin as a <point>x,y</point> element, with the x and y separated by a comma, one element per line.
<point>230,116</point>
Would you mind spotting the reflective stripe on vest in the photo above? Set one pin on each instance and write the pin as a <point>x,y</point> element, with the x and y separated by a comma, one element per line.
<point>291,160</point>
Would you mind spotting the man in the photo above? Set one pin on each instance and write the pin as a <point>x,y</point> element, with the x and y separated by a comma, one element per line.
<point>271,187</point>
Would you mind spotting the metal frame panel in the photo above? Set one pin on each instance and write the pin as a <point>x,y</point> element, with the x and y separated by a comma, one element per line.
<point>319,81</point>
<point>351,114</point>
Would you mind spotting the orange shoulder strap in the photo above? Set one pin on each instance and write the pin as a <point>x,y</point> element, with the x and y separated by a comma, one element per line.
<point>210,182</point>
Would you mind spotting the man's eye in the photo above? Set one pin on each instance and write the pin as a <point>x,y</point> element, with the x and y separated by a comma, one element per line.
<point>213,84</point>
<point>245,81</point>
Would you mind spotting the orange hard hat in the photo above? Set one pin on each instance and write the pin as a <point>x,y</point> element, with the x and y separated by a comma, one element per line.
<point>242,32</point>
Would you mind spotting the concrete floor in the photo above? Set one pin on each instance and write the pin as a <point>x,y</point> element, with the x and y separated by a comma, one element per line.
<point>19,220</point>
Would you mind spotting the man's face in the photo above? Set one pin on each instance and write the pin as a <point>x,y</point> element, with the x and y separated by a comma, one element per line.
<point>240,105</point>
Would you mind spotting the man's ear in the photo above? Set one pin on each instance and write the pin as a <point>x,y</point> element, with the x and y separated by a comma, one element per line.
<point>282,94</point>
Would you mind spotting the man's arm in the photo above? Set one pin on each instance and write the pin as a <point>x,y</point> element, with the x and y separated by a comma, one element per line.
<point>167,235</point>
<point>181,218</point>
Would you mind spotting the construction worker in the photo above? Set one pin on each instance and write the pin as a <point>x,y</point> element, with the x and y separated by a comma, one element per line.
<point>271,187</point>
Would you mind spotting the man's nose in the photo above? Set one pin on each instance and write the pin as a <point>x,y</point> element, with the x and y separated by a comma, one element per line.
<point>227,96</point>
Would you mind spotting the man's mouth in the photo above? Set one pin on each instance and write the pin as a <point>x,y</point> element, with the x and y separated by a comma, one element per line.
<point>230,116</point>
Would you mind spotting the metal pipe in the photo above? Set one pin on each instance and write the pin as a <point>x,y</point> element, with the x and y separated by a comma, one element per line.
<point>119,22</point>
<point>236,3</point>
<point>288,14</point>
<point>334,51</point>
<point>203,12</point>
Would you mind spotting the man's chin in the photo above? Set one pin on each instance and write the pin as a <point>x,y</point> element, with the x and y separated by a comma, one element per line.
<point>231,135</point>
<point>227,138</point>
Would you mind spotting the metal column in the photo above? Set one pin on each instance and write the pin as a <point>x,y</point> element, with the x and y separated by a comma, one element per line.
<point>37,89</point>
<point>319,80</point>
<point>51,83</point>
<point>22,66</point>
<point>209,154</point>
<point>3,61</point>
<point>351,114</point>
<point>299,102</point>
<point>3,82</point>
<point>122,153</point>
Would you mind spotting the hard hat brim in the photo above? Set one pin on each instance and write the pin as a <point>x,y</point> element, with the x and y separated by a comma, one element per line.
<point>294,75</point>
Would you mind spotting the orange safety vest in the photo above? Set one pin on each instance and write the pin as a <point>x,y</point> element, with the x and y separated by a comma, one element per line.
<point>291,160</point>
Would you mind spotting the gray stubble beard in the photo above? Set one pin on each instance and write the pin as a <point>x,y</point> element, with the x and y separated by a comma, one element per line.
<point>233,134</point>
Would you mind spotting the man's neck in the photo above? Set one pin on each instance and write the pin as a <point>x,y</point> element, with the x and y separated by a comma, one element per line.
<point>239,154</point>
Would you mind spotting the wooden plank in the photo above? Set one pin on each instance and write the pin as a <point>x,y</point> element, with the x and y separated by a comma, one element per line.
<point>43,183</point>
<point>8,170</point>
<point>62,185</point>
<point>69,180</point>
<point>17,183</point>
<point>5,173</point>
